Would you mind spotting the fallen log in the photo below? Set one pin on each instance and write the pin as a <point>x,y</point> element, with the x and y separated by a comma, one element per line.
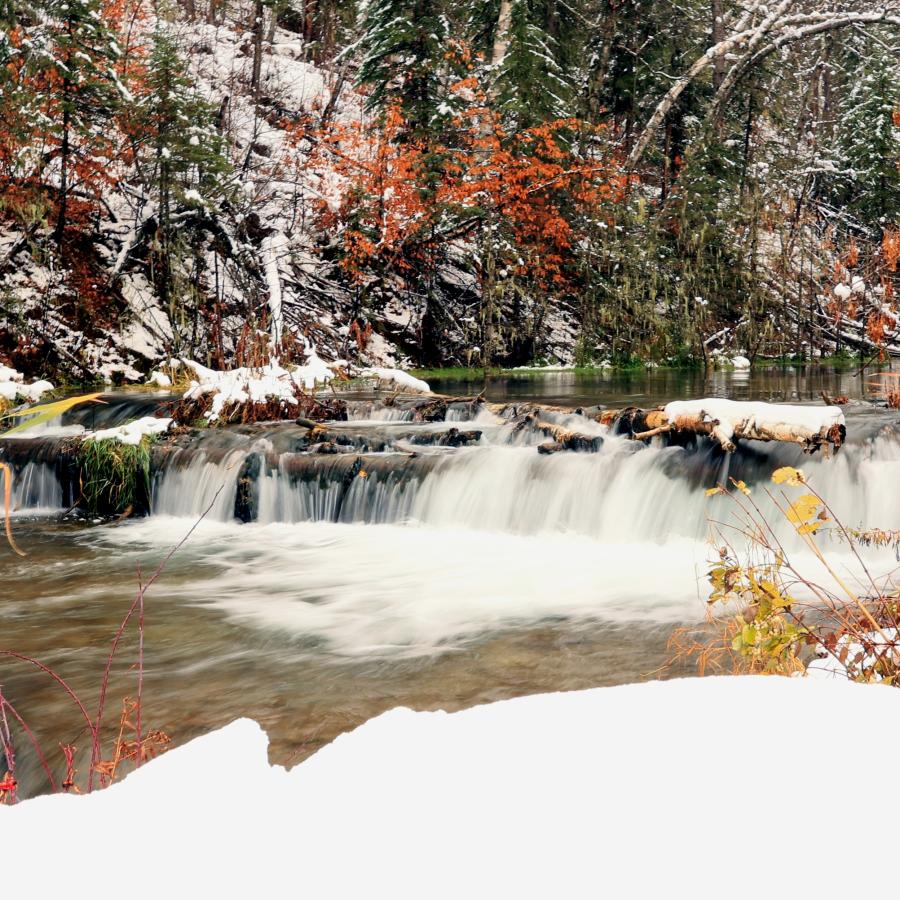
<point>728,421</point>
<point>562,438</point>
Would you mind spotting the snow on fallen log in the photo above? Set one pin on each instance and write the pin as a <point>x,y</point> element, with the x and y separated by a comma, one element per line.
<point>730,420</point>
<point>132,432</point>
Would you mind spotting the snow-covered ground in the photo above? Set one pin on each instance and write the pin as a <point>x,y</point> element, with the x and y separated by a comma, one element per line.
<point>13,387</point>
<point>714,787</point>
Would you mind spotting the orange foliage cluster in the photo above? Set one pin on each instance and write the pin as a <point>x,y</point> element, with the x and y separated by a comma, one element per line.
<point>890,247</point>
<point>403,198</point>
<point>876,309</point>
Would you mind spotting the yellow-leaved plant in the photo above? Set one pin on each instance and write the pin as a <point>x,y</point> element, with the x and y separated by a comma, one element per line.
<point>757,624</point>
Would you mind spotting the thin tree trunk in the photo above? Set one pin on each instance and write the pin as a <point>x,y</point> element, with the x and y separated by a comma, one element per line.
<point>501,33</point>
<point>258,18</point>
<point>64,154</point>
<point>718,35</point>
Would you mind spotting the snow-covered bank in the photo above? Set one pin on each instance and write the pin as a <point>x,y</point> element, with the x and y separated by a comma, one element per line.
<point>262,384</point>
<point>695,787</point>
<point>13,387</point>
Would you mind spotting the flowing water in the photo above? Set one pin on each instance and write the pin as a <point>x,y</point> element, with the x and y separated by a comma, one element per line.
<point>320,589</point>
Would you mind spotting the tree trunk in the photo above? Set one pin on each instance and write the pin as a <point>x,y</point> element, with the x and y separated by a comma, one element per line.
<point>64,154</point>
<point>258,19</point>
<point>501,33</point>
<point>718,35</point>
<point>730,421</point>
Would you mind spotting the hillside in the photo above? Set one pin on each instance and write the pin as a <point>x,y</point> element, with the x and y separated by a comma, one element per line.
<point>420,184</point>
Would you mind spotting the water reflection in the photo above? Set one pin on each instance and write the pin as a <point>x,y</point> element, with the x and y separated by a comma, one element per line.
<point>650,387</point>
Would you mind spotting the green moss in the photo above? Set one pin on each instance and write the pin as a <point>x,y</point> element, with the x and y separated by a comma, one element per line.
<point>842,360</point>
<point>457,373</point>
<point>115,477</point>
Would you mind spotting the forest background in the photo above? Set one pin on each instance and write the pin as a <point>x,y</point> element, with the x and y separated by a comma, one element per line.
<point>418,182</point>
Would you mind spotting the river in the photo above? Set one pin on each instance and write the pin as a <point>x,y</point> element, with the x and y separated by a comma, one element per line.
<point>428,577</point>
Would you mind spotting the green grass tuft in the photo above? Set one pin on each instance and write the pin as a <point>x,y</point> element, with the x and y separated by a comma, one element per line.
<point>115,477</point>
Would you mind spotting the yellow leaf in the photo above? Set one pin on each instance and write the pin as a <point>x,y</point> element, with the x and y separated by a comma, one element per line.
<point>711,492</point>
<point>741,486</point>
<point>809,528</point>
<point>46,411</point>
<point>803,509</point>
<point>789,475</point>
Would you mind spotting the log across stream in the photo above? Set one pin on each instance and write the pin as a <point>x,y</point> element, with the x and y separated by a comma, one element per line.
<point>435,560</point>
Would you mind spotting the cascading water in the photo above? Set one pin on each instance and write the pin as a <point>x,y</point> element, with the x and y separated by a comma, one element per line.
<point>623,491</point>
<point>477,529</point>
<point>36,490</point>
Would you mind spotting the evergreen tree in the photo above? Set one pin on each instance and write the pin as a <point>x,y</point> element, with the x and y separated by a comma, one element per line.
<point>529,85</point>
<point>868,139</point>
<point>72,55</point>
<point>182,158</point>
<point>408,62</point>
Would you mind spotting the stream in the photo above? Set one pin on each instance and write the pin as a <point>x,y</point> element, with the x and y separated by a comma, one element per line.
<point>398,571</point>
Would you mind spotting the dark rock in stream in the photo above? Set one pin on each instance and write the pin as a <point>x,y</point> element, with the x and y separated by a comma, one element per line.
<point>246,497</point>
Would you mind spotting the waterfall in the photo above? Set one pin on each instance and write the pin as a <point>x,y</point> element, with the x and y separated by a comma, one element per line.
<point>37,490</point>
<point>623,492</point>
<point>392,471</point>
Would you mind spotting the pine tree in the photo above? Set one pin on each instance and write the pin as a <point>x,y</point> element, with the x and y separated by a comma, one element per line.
<point>529,85</point>
<point>868,139</point>
<point>409,63</point>
<point>182,157</point>
<point>73,53</point>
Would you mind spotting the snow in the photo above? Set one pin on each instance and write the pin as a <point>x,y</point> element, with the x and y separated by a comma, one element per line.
<point>547,368</point>
<point>652,790</point>
<point>399,377</point>
<point>13,387</point>
<point>160,379</point>
<point>851,657</point>
<point>731,413</point>
<point>259,384</point>
<point>132,432</point>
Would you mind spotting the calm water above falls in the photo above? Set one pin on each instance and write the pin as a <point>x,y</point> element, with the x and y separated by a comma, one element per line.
<point>436,580</point>
<point>649,387</point>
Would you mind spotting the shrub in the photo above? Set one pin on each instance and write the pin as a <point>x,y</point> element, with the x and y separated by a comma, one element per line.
<point>769,616</point>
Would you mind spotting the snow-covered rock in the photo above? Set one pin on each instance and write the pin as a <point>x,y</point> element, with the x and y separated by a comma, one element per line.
<point>13,387</point>
<point>160,379</point>
<point>132,432</point>
<point>740,362</point>
<point>618,792</point>
<point>399,377</point>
